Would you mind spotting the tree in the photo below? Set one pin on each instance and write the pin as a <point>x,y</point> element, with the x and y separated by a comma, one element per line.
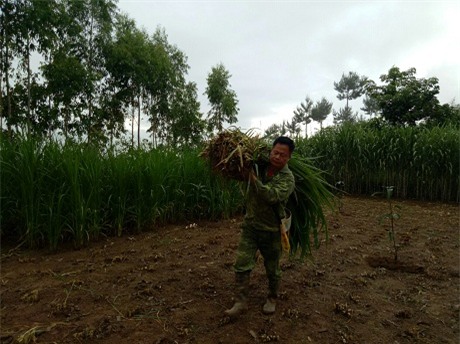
<point>302,114</point>
<point>65,79</point>
<point>320,111</point>
<point>112,114</point>
<point>92,77</point>
<point>120,64</point>
<point>90,29</point>
<point>370,106</point>
<point>350,87</point>
<point>403,99</point>
<point>272,132</point>
<point>132,61</point>
<point>83,28</point>
<point>447,114</point>
<point>33,23</point>
<point>221,97</point>
<point>187,125</point>
<point>167,86</point>
<point>27,26</point>
<point>293,128</point>
<point>9,50</point>
<point>344,115</point>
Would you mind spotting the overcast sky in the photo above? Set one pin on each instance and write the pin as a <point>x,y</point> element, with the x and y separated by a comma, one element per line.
<point>278,52</point>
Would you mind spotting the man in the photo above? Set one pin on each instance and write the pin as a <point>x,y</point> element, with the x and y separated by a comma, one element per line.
<point>265,207</point>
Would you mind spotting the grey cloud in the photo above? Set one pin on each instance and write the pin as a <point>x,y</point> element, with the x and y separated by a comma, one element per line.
<point>278,52</point>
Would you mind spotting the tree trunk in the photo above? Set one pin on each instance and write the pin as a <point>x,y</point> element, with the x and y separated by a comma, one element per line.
<point>132,124</point>
<point>138,121</point>
<point>7,78</point>
<point>90,72</point>
<point>1,98</point>
<point>66,122</point>
<point>29,120</point>
<point>1,105</point>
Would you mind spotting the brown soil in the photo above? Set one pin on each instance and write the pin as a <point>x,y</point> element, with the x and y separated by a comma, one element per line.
<point>172,285</point>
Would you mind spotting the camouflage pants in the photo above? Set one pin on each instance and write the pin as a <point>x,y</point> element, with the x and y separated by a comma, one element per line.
<point>269,245</point>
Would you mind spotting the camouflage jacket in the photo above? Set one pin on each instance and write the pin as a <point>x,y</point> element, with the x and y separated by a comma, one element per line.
<point>265,196</point>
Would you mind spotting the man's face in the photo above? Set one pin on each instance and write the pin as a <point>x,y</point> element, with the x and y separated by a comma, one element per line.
<point>279,155</point>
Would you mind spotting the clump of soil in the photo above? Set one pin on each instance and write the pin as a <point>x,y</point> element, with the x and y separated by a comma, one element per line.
<point>171,285</point>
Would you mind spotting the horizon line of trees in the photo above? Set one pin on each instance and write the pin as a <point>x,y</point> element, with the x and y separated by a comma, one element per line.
<point>98,72</point>
<point>401,100</point>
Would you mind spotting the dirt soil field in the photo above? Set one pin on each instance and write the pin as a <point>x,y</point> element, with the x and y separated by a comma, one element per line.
<point>172,285</point>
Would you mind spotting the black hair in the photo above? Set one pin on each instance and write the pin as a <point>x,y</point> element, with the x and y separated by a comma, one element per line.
<point>284,140</point>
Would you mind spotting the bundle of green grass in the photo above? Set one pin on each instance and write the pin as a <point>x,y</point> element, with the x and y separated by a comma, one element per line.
<point>233,154</point>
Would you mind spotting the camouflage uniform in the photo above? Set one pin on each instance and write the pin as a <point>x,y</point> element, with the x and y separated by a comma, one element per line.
<point>261,226</point>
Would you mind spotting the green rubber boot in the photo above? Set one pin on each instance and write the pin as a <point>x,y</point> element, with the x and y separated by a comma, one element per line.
<point>273,287</point>
<point>269,306</point>
<point>242,289</point>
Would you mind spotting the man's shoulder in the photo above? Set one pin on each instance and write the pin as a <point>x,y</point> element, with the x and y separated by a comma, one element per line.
<point>285,170</point>
<point>286,175</point>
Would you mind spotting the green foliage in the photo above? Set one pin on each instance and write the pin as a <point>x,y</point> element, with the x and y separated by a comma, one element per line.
<point>311,197</point>
<point>344,115</point>
<point>97,69</point>
<point>273,131</point>
<point>403,99</point>
<point>370,106</point>
<point>303,116</point>
<point>321,110</point>
<point>26,163</point>
<point>222,98</point>
<point>350,86</point>
<point>303,113</point>
<point>66,70</point>
<point>53,193</point>
<point>447,115</point>
<point>421,162</point>
<point>186,124</point>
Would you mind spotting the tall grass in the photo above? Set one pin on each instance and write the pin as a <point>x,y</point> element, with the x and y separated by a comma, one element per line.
<point>421,163</point>
<point>51,193</point>
<point>25,196</point>
<point>306,204</point>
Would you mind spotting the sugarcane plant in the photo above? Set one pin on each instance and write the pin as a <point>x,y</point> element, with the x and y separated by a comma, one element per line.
<point>312,195</point>
<point>233,154</point>
<point>392,215</point>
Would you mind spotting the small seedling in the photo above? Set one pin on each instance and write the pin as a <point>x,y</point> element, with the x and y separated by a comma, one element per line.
<point>392,216</point>
<point>339,191</point>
